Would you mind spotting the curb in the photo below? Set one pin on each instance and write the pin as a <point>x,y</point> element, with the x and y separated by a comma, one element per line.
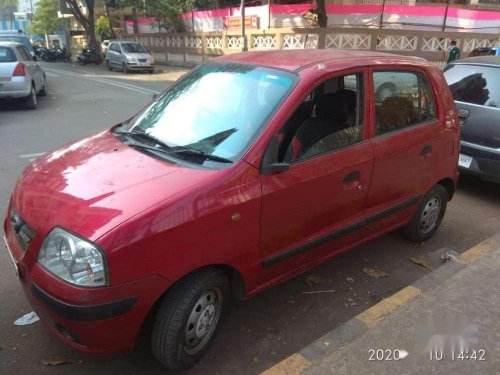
<point>326,345</point>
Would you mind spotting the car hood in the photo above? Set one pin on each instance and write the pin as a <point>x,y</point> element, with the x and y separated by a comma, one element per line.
<point>95,184</point>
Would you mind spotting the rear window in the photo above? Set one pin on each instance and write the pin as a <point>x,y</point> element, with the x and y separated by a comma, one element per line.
<point>7,55</point>
<point>474,84</point>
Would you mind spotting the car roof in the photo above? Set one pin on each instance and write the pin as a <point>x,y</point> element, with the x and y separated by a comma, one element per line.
<point>294,60</point>
<point>483,60</point>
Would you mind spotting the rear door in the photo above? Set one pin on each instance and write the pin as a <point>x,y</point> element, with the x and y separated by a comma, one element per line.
<point>406,144</point>
<point>476,90</point>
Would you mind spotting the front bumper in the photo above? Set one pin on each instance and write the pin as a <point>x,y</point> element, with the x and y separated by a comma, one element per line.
<point>485,163</point>
<point>140,66</point>
<point>90,320</point>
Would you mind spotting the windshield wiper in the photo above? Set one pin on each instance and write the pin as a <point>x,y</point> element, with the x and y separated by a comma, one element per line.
<point>194,152</point>
<point>147,136</point>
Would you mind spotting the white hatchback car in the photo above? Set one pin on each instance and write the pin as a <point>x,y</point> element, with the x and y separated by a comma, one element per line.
<point>21,77</point>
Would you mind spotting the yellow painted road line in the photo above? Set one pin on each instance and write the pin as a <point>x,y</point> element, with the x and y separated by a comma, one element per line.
<point>293,365</point>
<point>375,314</point>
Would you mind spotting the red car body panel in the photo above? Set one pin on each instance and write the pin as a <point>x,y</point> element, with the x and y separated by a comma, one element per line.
<point>157,221</point>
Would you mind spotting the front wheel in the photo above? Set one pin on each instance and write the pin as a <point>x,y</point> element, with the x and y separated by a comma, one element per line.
<point>189,317</point>
<point>125,68</point>
<point>428,216</point>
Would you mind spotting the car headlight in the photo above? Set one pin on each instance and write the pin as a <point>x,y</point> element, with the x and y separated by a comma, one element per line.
<point>73,259</point>
<point>131,59</point>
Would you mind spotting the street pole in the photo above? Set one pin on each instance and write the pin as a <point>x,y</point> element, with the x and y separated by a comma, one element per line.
<point>445,15</point>
<point>243,35</point>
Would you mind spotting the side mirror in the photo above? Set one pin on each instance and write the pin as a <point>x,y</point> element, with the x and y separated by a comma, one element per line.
<point>270,162</point>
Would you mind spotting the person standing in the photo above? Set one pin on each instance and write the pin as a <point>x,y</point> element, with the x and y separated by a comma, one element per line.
<point>454,52</point>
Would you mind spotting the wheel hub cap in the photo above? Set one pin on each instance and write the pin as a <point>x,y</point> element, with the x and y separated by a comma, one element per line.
<point>430,215</point>
<point>202,321</point>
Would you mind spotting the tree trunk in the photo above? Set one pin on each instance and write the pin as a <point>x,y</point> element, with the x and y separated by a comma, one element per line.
<point>134,20</point>
<point>106,11</point>
<point>322,17</point>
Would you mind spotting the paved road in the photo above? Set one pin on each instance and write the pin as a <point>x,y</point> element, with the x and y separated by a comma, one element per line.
<point>259,332</point>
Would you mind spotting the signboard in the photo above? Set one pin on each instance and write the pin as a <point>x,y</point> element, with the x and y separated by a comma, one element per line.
<point>234,22</point>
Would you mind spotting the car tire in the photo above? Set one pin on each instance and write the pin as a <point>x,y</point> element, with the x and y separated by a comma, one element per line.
<point>31,102</point>
<point>43,91</point>
<point>108,65</point>
<point>125,68</point>
<point>152,71</point>
<point>384,91</point>
<point>189,317</point>
<point>428,216</point>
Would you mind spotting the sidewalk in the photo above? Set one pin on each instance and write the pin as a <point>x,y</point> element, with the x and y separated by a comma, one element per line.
<point>457,303</point>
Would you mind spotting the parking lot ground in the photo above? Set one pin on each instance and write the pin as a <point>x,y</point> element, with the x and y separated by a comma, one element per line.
<point>259,332</point>
<point>446,322</point>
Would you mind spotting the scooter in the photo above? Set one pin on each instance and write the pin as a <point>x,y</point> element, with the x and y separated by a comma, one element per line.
<point>89,57</point>
<point>54,55</point>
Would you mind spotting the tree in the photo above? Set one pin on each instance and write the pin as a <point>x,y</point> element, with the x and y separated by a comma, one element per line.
<point>45,20</point>
<point>12,6</point>
<point>87,22</point>
<point>103,29</point>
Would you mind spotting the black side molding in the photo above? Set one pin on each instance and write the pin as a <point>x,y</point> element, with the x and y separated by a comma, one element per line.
<point>84,313</point>
<point>338,233</point>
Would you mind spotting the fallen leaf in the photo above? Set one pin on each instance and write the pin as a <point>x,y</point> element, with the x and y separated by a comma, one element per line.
<point>420,262</point>
<point>373,272</point>
<point>312,280</point>
<point>56,361</point>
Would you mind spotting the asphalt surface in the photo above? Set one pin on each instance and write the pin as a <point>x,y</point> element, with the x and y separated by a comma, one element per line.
<point>259,332</point>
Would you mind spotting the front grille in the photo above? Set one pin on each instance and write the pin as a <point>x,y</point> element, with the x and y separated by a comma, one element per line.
<point>24,233</point>
<point>143,60</point>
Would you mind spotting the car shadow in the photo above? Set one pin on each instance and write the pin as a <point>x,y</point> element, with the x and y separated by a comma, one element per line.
<point>478,188</point>
<point>16,105</point>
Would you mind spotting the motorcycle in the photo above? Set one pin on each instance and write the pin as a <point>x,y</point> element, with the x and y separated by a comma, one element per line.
<point>52,55</point>
<point>89,57</point>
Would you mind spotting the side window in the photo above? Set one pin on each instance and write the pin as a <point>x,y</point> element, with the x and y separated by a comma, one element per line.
<point>330,118</point>
<point>474,84</point>
<point>112,47</point>
<point>402,99</point>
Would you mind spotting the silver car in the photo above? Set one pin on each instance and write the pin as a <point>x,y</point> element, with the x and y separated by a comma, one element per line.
<point>128,56</point>
<point>20,76</point>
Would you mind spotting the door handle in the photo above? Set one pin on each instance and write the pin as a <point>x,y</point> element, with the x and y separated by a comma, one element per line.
<point>426,152</point>
<point>351,180</point>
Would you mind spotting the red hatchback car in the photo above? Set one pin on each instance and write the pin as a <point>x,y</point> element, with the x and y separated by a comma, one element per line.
<point>251,169</point>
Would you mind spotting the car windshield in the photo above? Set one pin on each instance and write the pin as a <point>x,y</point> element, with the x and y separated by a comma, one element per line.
<point>132,48</point>
<point>218,109</point>
<point>17,39</point>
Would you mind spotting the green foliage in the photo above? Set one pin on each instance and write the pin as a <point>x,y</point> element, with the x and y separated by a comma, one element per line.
<point>8,3</point>
<point>45,19</point>
<point>103,29</point>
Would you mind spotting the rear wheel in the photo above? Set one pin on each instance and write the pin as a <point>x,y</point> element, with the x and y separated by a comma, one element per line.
<point>31,101</point>
<point>189,317</point>
<point>428,216</point>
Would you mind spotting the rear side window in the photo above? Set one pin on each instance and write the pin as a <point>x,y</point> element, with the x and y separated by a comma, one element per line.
<point>24,53</point>
<point>474,84</point>
<point>402,99</point>
<point>7,55</point>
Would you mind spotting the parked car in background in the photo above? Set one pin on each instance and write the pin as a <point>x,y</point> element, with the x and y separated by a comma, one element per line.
<point>129,56</point>
<point>104,46</point>
<point>249,170</point>
<point>20,76</point>
<point>485,51</point>
<point>17,37</point>
<point>475,85</point>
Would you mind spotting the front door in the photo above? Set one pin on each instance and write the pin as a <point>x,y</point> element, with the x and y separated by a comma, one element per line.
<point>316,208</point>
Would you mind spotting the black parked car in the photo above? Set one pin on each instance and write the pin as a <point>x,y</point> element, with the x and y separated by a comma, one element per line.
<point>475,85</point>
